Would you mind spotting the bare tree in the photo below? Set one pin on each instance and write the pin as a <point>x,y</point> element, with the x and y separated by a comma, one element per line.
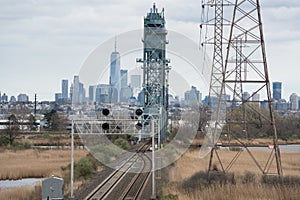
<point>12,128</point>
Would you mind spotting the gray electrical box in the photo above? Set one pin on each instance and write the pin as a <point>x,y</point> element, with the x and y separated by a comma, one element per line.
<point>53,188</point>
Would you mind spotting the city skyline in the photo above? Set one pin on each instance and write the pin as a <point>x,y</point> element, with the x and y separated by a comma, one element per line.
<point>42,43</point>
<point>66,93</point>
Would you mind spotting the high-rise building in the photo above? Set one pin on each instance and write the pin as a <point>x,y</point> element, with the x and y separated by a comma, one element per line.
<point>212,100</point>
<point>281,106</point>
<point>277,90</point>
<point>103,93</point>
<point>64,90</point>
<point>125,94</point>
<point>246,95</point>
<point>125,90</point>
<point>78,91</point>
<point>71,92</point>
<point>192,96</point>
<point>294,102</point>
<point>81,93</point>
<point>23,98</point>
<point>75,91</point>
<point>124,78</point>
<point>114,78</point>
<point>92,93</point>
<point>12,99</point>
<point>255,97</point>
<point>58,97</point>
<point>4,98</point>
<point>135,81</point>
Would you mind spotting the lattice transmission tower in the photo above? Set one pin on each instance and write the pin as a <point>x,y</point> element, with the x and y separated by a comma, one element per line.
<point>240,117</point>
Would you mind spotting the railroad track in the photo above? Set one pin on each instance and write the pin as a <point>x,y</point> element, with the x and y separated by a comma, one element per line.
<point>135,182</point>
<point>138,182</point>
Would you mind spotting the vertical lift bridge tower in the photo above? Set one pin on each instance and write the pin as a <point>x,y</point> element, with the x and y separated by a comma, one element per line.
<point>155,71</point>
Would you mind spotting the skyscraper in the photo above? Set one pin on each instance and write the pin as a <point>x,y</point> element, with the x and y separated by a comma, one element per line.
<point>92,93</point>
<point>125,91</point>
<point>102,93</point>
<point>246,96</point>
<point>75,91</point>
<point>135,81</point>
<point>294,102</point>
<point>12,99</point>
<point>64,90</point>
<point>23,98</point>
<point>114,78</point>
<point>277,90</point>
<point>4,98</point>
<point>58,97</point>
<point>192,96</point>
<point>124,78</point>
<point>81,93</point>
<point>255,97</point>
<point>78,91</point>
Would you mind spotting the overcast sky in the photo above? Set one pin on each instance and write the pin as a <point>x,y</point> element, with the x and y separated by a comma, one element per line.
<point>45,41</point>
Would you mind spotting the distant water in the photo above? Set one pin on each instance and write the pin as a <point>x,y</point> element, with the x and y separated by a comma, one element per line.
<point>289,147</point>
<point>19,183</point>
<point>282,147</point>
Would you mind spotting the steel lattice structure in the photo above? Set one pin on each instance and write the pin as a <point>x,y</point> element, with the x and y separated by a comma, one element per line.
<point>155,70</point>
<point>244,76</point>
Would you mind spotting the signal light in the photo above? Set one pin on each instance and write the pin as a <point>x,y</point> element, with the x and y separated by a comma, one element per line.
<point>105,126</point>
<point>139,126</point>
<point>105,112</point>
<point>139,112</point>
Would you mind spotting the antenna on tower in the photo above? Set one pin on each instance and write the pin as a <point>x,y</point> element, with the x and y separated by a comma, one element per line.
<point>115,43</point>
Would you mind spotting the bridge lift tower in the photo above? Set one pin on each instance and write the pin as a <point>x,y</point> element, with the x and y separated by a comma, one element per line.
<point>239,78</point>
<point>155,71</point>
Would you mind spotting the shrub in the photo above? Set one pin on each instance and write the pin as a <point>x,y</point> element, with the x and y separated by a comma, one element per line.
<point>4,141</point>
<point>198,180</point>
<point>249,177</point>
<point>202,180</point>
<point>169,197</point>
<point>122,143</point>
<point>285,180</point>
<point>27,144</point>
<point>83,168</point>
<point>94,161</point>
<point>221,177</point>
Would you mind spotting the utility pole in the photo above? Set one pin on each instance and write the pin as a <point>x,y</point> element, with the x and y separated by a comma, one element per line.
<point>72,161</point>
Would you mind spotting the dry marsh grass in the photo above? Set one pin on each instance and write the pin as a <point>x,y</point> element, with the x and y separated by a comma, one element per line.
<point>235,192</point>
<point>192,163</point>
<point>35,163</point>
<point>247,184</point>
<point>22,193</point>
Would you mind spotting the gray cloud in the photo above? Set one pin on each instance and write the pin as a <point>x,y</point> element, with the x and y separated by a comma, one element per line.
<point>57,35</point>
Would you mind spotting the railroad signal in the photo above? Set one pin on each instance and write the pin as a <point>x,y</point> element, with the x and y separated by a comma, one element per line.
<point>139,126</point>
<point>105,126</point>
<point>139,112</point>
<point>105,112</point>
